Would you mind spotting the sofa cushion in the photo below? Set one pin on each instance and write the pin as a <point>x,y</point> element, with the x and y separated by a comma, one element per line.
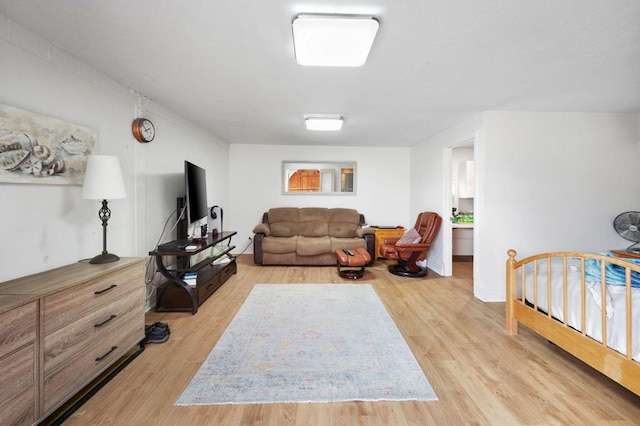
<point>279,244</point>
<point>311,246</point>
<point>280,259</point>
<point>347,243</point>
<point>283,221</point>
<point>343,222</point>
<point>314,222</point>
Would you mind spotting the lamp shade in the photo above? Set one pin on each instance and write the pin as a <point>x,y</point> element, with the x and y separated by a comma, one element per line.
<point>103,178</point>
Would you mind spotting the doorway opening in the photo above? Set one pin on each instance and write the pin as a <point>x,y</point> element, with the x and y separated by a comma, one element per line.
<point>460,202</point>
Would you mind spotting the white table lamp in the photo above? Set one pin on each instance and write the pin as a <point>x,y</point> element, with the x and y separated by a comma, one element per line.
<point>103,181</point>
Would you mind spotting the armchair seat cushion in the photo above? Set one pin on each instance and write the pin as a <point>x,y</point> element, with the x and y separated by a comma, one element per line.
<point>388,251</point>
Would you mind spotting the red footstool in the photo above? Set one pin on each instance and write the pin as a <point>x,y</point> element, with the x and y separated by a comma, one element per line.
<point>359,258</point>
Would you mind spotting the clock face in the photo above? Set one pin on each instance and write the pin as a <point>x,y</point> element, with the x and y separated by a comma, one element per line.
<point>143,130</point>
<point>147,130</point>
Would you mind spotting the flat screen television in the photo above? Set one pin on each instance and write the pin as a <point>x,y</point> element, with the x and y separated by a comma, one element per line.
<point>195,179</point>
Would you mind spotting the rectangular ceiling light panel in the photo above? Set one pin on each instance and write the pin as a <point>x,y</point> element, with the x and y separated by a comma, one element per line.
<point>323,123</point>
<point>333,40</point>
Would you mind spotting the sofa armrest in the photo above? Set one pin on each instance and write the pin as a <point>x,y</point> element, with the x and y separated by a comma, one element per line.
<point>370,239</point>
<point>262,228</point>
<point>361,232</point>
<point>257,248</point>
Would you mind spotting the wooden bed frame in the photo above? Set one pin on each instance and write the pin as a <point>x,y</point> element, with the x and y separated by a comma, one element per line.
<point>620,368</point>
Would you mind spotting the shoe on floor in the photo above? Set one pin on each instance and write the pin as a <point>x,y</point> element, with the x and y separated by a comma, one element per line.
<point>162,325</point>
<point>156,333</point>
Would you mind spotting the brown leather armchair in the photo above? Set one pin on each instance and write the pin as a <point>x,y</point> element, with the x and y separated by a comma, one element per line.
<point>412,247</point>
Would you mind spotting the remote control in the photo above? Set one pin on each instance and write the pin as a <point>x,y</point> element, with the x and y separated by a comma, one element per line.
<point>349,252</point>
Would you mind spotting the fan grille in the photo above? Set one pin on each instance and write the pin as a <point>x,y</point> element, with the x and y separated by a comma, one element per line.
<point>627,225</point>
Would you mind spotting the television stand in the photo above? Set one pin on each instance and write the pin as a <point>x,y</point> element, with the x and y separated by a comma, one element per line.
<point>208,259</point>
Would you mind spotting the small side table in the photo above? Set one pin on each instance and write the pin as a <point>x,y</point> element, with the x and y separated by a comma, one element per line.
<point>381,233</point>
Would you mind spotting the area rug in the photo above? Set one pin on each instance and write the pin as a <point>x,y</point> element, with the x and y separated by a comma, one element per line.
<point>309,343</point>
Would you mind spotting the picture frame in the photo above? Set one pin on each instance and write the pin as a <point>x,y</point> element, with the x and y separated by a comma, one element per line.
<point>38,149</point>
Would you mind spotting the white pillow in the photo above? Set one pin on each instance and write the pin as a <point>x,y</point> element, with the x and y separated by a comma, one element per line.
<point>410,237</point>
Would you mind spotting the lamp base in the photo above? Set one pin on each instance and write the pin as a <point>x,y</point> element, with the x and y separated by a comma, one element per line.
<point>104,258</point>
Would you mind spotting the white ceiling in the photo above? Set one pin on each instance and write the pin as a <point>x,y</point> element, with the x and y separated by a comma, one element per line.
<point>229,66</point>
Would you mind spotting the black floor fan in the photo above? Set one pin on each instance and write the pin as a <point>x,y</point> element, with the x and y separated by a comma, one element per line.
<point>627,225</point>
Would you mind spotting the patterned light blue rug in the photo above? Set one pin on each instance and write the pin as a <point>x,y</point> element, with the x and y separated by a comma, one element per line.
<point>309,343</point>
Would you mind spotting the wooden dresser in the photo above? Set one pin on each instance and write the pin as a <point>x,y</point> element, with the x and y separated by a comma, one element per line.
<point>18,355</point>
<point>62,328</point>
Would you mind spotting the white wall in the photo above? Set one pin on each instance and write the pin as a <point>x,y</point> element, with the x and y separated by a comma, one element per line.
<point>255,186</point>
<point>554,181</point>
<point>45,226</point>
<point>430,169</point>
<point>163,176</point>
<point>545,182</point>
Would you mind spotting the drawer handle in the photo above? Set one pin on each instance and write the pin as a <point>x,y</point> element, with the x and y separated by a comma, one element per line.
<point>100,324</point>
<point>100,358</point>
<point>106,289</point>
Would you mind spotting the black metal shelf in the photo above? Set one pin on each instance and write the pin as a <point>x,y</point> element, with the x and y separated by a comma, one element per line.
<point>176,295</point>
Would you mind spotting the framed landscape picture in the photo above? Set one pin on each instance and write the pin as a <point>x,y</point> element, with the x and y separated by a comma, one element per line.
<point>35,148</point>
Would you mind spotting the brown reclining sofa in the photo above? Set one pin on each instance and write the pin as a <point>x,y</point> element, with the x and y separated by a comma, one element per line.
<point>309,235</point>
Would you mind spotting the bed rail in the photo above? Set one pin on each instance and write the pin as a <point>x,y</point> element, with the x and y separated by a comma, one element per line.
<point>559,295</point>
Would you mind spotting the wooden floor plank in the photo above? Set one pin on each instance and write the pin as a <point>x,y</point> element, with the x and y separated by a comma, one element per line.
<point>481,375</point>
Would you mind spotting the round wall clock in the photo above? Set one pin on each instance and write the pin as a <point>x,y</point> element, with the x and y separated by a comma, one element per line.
<point>143,130</point>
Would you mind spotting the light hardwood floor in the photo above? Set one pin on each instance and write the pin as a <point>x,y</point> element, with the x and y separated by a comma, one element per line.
<point>481,375</point>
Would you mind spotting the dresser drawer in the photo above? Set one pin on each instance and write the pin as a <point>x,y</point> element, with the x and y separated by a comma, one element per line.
<point>17,327</point>
<point>20,409</point>
<point>89,363</point>
<point>230,269</point>
<point>66,342</point>
<point>17,372</point>
<point>69,305</point>
<point>216,277</point>
<point>208,288</point>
